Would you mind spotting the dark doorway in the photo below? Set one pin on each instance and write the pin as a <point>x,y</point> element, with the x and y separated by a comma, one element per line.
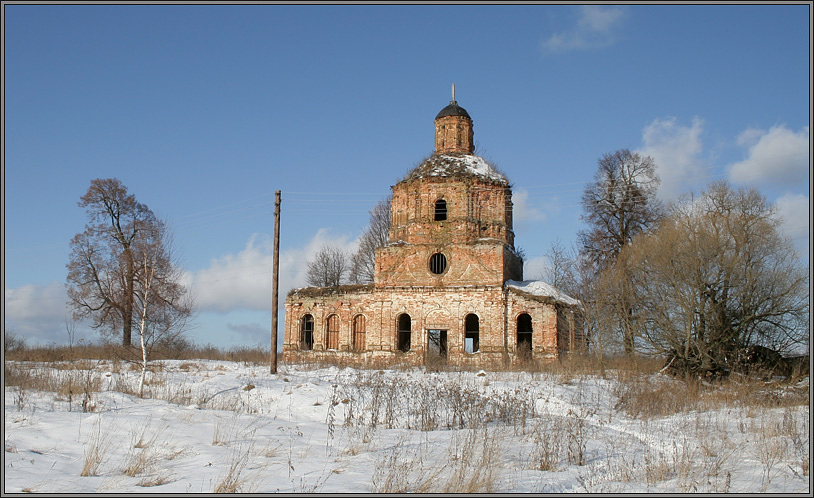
<point>524,334</point>
<point>307,333</point>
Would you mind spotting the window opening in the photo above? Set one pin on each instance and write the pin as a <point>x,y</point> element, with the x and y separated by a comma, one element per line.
<point>437,343</point>
<point>438,263</point>
<point>359,333</point>
<point>404,332</point>
<point>472,333</point>
<point>307,333</point>
<point>524,333</point>
<point>440,210</point>
<point>333,332</point>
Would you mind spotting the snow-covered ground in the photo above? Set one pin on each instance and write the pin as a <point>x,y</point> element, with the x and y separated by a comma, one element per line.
<point>223,426</point>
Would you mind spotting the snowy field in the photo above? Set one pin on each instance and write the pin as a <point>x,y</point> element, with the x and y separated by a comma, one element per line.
<point>214,426</point>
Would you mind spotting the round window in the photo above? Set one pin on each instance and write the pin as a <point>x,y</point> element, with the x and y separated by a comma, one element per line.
<point>438,263</point>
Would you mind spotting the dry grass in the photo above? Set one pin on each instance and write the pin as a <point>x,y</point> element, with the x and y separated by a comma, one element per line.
<point>96,451</point>
<point>180,349</point>
<point>645,398</point>
<point>141,461</point>
<point>474,458</point>
<point>547,436</point>
<point>235,480</point>
<point>620,367</point>
<point>71,385</point>
<point>402,470</point>
<point>657,396</point>
<point>143,455</point>
<point>53,354</point>
<point>437,402</point>
<point>140,439</point>
<point>221,435</point>
<point>471,465</point>
<point>158,479</point>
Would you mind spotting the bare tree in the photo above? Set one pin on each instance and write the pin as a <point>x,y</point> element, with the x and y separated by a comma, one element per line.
<point>328,268</point>
<point>70,329</point>
<point>162,305</point>
<point>104,266</point>
<point>620,204</point>
<point>562,270</point>
<point>12,343</point>
<point>716,276</point>
<point>363,262</point>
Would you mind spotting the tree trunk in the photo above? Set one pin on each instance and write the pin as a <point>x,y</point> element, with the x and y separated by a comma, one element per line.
<point>127,314</point>
<point>142,332</point>
<point>627,330</point>
<point>148,280</point>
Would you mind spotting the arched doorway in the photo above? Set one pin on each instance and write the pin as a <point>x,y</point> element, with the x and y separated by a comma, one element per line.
<point>307,333</point>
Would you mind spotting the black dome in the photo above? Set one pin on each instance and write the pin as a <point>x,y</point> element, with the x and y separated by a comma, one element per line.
<point>453,109</point>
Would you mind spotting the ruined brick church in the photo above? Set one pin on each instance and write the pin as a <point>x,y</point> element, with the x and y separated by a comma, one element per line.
<point>449,284</point>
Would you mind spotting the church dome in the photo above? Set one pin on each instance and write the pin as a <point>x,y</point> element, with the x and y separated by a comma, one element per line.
<point>453,109</point>
<point>458,166</point>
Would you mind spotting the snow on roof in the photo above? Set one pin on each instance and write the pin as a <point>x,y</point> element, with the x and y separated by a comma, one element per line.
<point>447,165</point>
<point>540,288</point>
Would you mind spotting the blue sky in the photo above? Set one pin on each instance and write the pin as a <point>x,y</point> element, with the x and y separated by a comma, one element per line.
<point>204,111</point>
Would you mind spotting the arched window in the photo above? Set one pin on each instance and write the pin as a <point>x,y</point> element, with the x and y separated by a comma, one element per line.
<point>440,210</point>
<point>472,333</point>
<point>307,333</point>
<point>359,333</point>
<point>438,263</point>
<point>524,333</point>
<point>332,327</point>
<point>404,332</point>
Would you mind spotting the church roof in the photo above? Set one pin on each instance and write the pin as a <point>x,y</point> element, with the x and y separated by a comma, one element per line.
<point>457,166</point>
<point>453,109</point>
<point>542,289</point>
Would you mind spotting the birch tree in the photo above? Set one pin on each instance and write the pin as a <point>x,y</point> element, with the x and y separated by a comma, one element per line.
<point>161,303</point>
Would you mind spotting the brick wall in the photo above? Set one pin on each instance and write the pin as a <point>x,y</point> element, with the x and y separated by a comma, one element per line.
<point>476,237</point>
<point>428,308</point>
<point>454,134</point>
<point>475,210</point>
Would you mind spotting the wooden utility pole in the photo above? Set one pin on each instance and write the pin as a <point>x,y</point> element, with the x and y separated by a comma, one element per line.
<point>275,281</point>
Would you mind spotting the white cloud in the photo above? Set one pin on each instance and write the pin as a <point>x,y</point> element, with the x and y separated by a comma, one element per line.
<point>36,301</point>
<point>596,28</point>
<point>243,280</point>
<point>793,210</point>
<point>233,282</point>
<point>778,156</point>
<point>676,149</point>
<point>523,211</point>
<point>536,268</point>
<point>37,313</point>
